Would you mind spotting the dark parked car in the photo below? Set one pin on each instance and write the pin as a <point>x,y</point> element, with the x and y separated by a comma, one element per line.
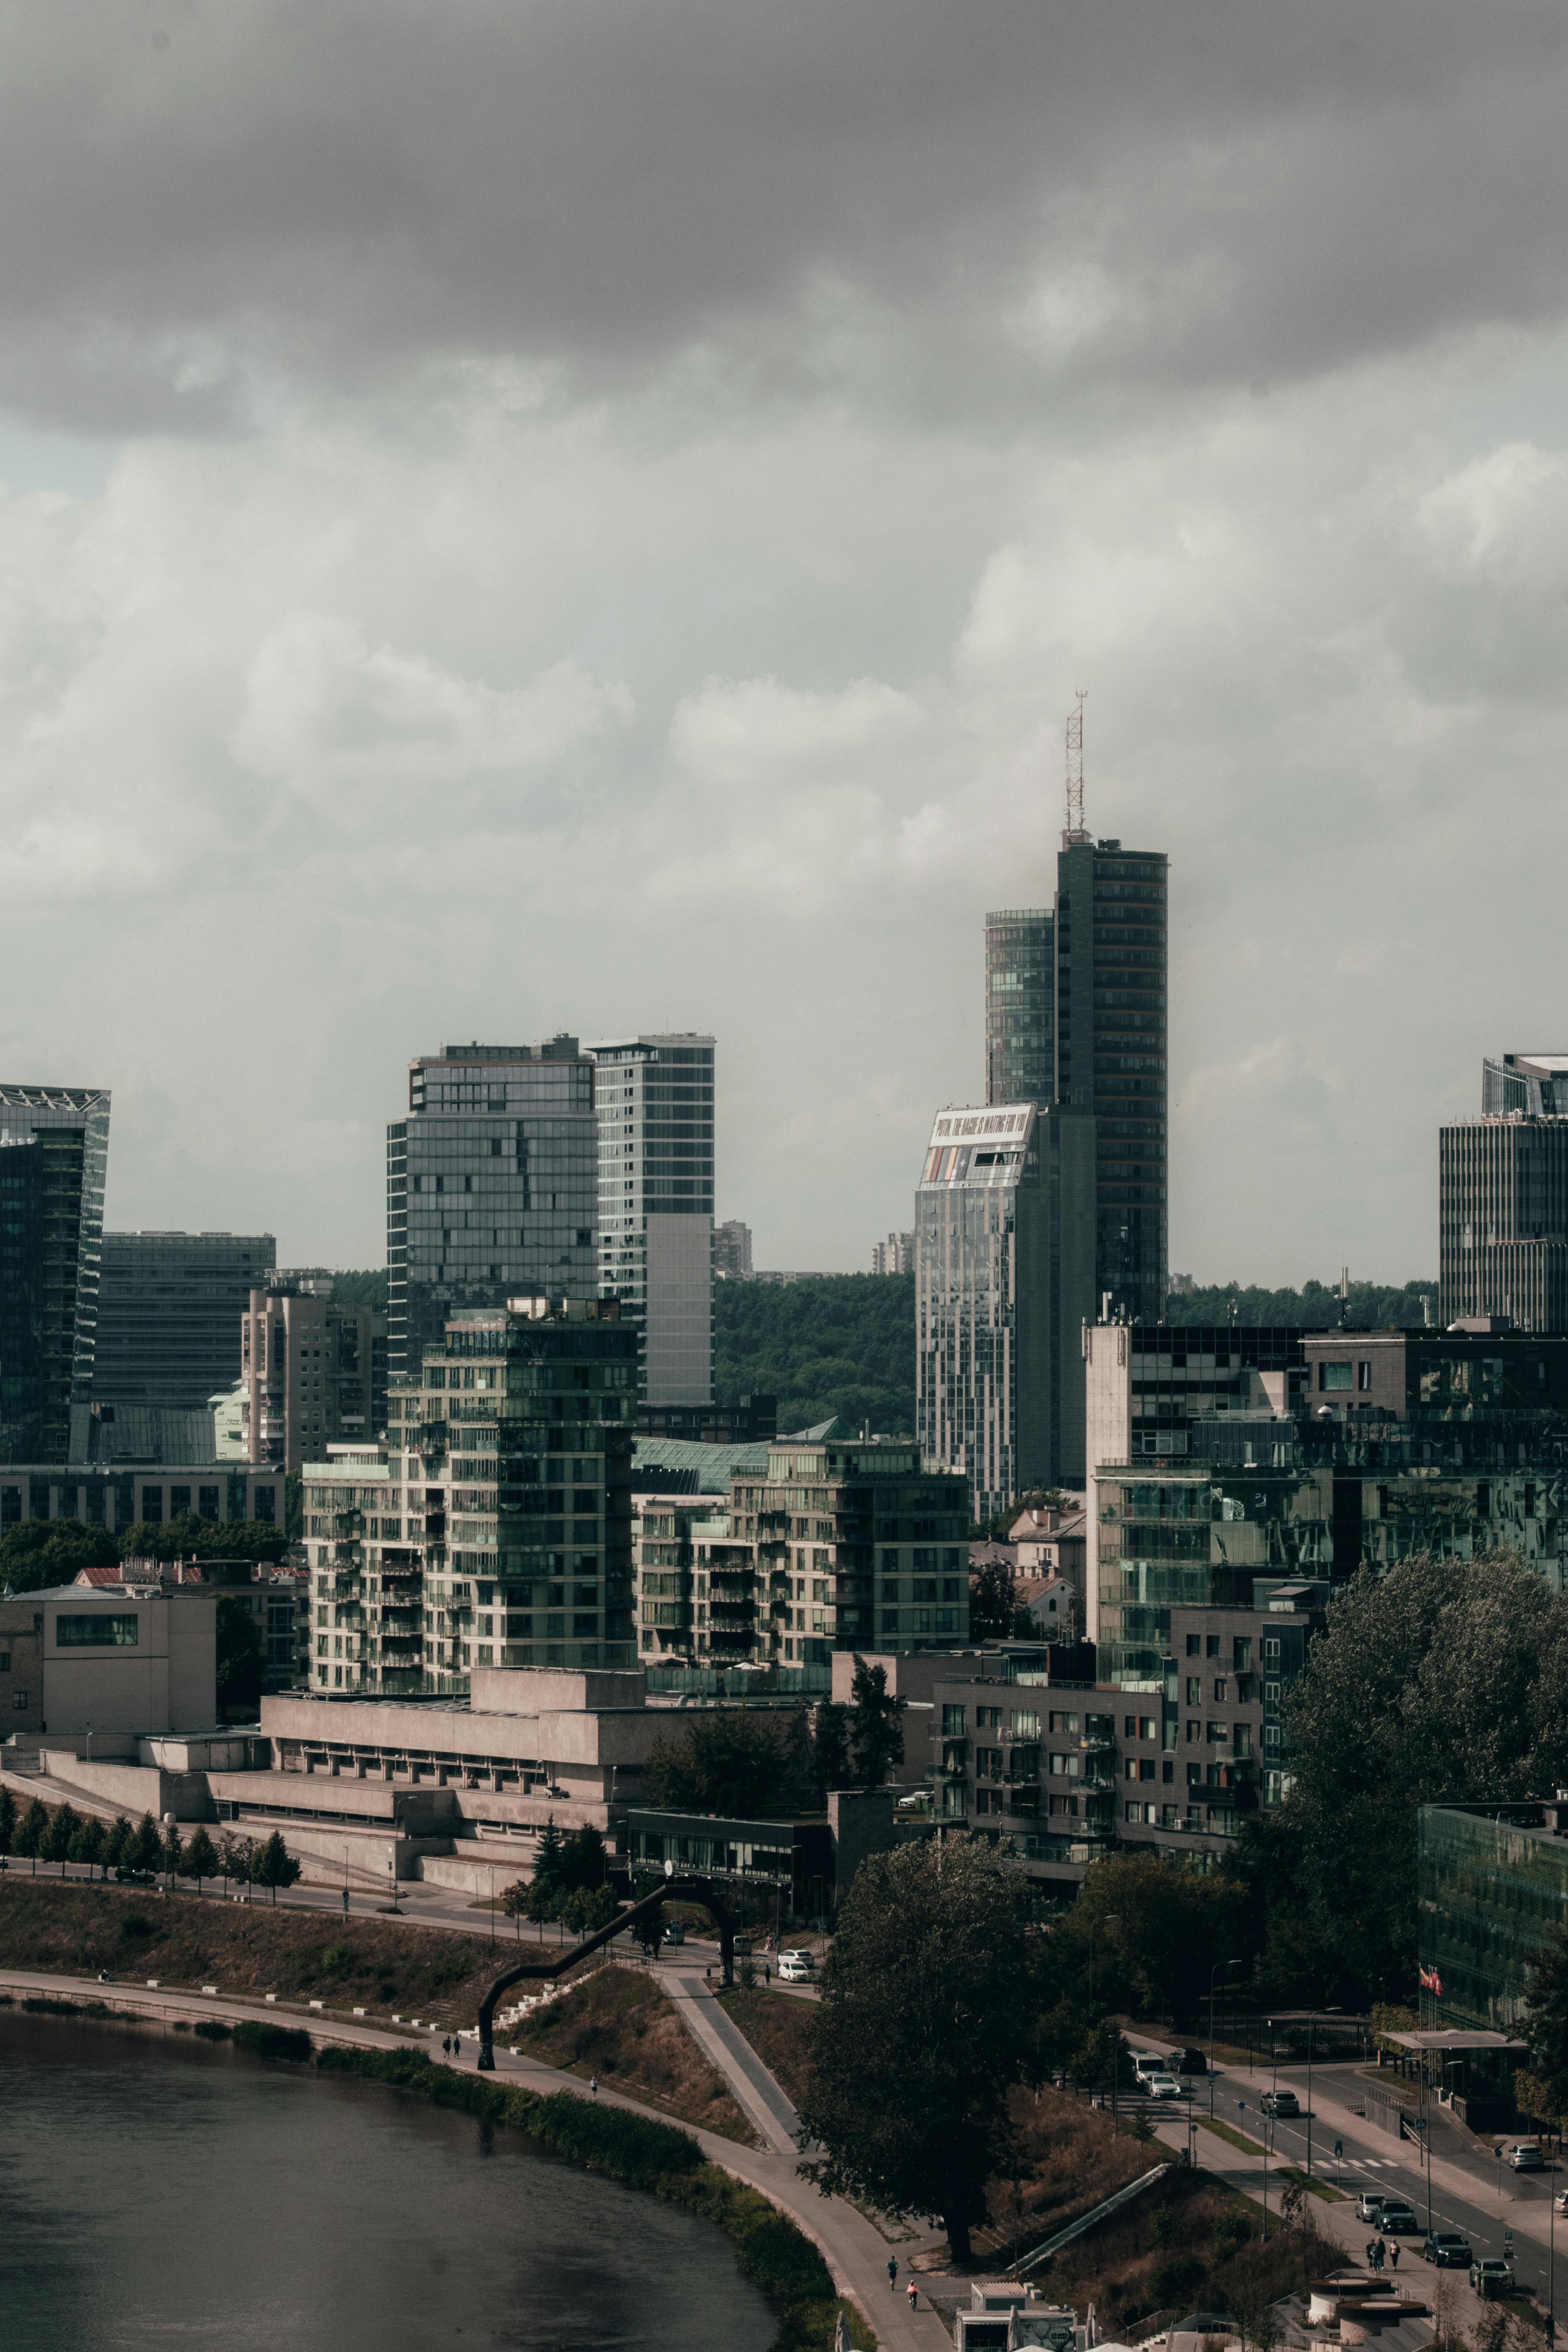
<point>1490,2276</point>
<point>1280,2103</point>
<point>1192,2062</point>
<point>1447,2250</point>
<point>1397,2219</point>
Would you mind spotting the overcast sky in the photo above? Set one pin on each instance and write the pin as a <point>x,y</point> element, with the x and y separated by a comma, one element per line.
<point>590,515</point>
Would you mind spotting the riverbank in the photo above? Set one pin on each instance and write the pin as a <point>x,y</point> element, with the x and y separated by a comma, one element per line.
<point>713,2182</point>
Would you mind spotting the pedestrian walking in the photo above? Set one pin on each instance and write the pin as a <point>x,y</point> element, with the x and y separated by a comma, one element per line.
<point>594,2084</point>
<point>767,1974</point>
<point>1382,2253</point>
<point>894,2273</point>
<point>445,2045</point>
<point>1371,2256</point>
<point>1394,2255</point>
<point>913,2294</point>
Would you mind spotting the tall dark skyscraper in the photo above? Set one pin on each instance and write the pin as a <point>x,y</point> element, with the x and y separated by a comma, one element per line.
<point>492,1187</point>
<point>169,1310</point>
<point>1503,1197</point>
<point>53,1156</point>
<point>1021,1006</point>
<point>1110,1039</point>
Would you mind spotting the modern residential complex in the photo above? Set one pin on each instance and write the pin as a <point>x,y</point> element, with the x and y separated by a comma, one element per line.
<point>895,1255</point>
<point>169,1310</point>
<point>315,1372</point>
<point>1503,1212</point>
<point>655,1099</point>
<point>1110,1040</point>
<point>492,1190</point>
<point>843,1545</point>
<point>731,1249</point>
<point>1021,1006</point>
<point>1003,1286</point>
<point>495,1529</point>
<point>54,1156</point>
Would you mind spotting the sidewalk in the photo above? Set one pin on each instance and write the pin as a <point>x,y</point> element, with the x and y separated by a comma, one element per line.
<point>762,2099</point>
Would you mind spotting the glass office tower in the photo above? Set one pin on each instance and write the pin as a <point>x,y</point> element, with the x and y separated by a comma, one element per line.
<point>1003,1275</point>
<point>655,1098</point>
<point>491,1187</point>
<point>169,1310</point>
<point>1020,1005</point>
<point>53,1156</point>
<point>1111,1046</point>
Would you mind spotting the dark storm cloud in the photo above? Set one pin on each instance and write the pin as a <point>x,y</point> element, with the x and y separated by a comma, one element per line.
<point>192,197</point>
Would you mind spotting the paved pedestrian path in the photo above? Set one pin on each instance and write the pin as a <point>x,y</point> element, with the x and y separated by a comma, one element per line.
<point>762,2097</point>
<point>855,2251</point>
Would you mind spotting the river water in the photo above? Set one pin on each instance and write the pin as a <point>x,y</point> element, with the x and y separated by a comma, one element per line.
<point>157,2191</point>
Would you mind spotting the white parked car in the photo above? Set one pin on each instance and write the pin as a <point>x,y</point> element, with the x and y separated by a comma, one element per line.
<point>1162,2086</point>
<point>794,1970</point>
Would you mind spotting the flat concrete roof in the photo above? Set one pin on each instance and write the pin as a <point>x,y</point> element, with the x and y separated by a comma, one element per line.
<point>1453,2040</point>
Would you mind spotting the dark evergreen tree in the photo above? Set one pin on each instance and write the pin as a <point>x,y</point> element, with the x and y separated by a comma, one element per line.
<point>147,1851</point>
<point>200,1859</point>
<point>876,1724</point>
<point>7,1822</point>
<point>63,1823</point>
<point>33,1833</point>
<point>830,1748</point>
<point>275,1867</point>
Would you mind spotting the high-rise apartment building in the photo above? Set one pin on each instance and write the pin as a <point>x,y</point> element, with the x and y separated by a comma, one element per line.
<point>655,1102</point>
<point>1003,1284</point>
<point>1110,1049</point>
<point>732,1251</point>
<point>1503,1220</point>
<point>491,1186</point>
<point>169,1310</point>
<point>495,1530</point>
<point>1020,1005</point>
<point>314,1373</point>
<point>895,1255</point>
<point>53,1156</point>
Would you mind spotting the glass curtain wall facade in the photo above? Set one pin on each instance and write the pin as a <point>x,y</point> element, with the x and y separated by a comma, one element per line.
<point>54,1159</point>
<point>169,1310</point>
<point>491,1187</point>
<point>1111,1047</point>
<point>654,1100</point>
<point>1492,1890</point>
<point>1003,1284</point>
<point>1503,1220</point>
<point>1020,1005</point>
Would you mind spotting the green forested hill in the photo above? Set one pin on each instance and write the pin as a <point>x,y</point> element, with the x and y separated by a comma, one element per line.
<point>838,1344</point>
<point>1373,1305</point>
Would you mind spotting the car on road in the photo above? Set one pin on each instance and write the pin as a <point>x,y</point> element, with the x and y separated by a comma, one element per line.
<point>1280,2103</point>
<point>672,1932</point>
<point>800,1954</point>
<point>792,1969</point>
<point>1397,2219</point>
<point>1491,2276</point>
<point>1369,2205</point>
<point>1446,2249</point>
<point>1525,2157</point>
<point>1163,2086</point>
<point>1192,2062</point>
<point>1559,2202</point>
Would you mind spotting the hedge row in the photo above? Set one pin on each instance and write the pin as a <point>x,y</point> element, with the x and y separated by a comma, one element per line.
<point>642,2153</point>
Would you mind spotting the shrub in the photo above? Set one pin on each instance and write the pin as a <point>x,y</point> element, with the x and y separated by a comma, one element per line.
<point>136,1928</point>
<point>272,2041</point>
<point>213,2028</point>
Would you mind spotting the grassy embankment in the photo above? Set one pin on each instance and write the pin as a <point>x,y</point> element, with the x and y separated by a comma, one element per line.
<point>618,2025</point>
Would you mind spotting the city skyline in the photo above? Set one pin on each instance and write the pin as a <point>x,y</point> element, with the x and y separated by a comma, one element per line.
<point>658,605</point>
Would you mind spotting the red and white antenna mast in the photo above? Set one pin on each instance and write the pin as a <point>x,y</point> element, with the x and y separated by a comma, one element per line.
<point>1074,831</point>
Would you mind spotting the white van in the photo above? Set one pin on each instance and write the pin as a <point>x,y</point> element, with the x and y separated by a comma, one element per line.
<point>1150,2062</point>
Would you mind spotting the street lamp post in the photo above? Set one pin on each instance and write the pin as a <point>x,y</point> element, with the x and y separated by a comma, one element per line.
<point>1213,1973</point>
<point>1109,1920</point>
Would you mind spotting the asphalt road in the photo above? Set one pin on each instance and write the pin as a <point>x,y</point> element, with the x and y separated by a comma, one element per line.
<point>1473,2194</point>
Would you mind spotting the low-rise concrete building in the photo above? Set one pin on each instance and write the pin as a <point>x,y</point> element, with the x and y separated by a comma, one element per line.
<point>122,1495</point>
<point>121,1659</point>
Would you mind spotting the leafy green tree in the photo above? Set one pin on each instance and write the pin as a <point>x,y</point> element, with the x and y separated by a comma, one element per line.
<point>996,1613</point>
<point>549,1879</point>
<point>91,1843</point>
<point>118,1847</point>
<point>924,2024</point>
<point>876,1724</point>
<point>1444,1679</point>
<point>1146,1935</point>
<point>1316,1306</point>
<point>36,1553</point>
<point>147,1852</point>
<point>200,1859</point>
<point>174,1848</point>
<point>831,1766</point>
<point>275,1867</point>
<point>648,1931</point>
<point>831,1346</point>
<point>7,1822</point>
<point>584,1859</point>
<point>63,1823</point>
<point>184,1538</point>
<point>726,1762</point>
<point>588,1908</point>
<point>33,1834</point>
<point>1546,2027</point>
<point>241,1654</point>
